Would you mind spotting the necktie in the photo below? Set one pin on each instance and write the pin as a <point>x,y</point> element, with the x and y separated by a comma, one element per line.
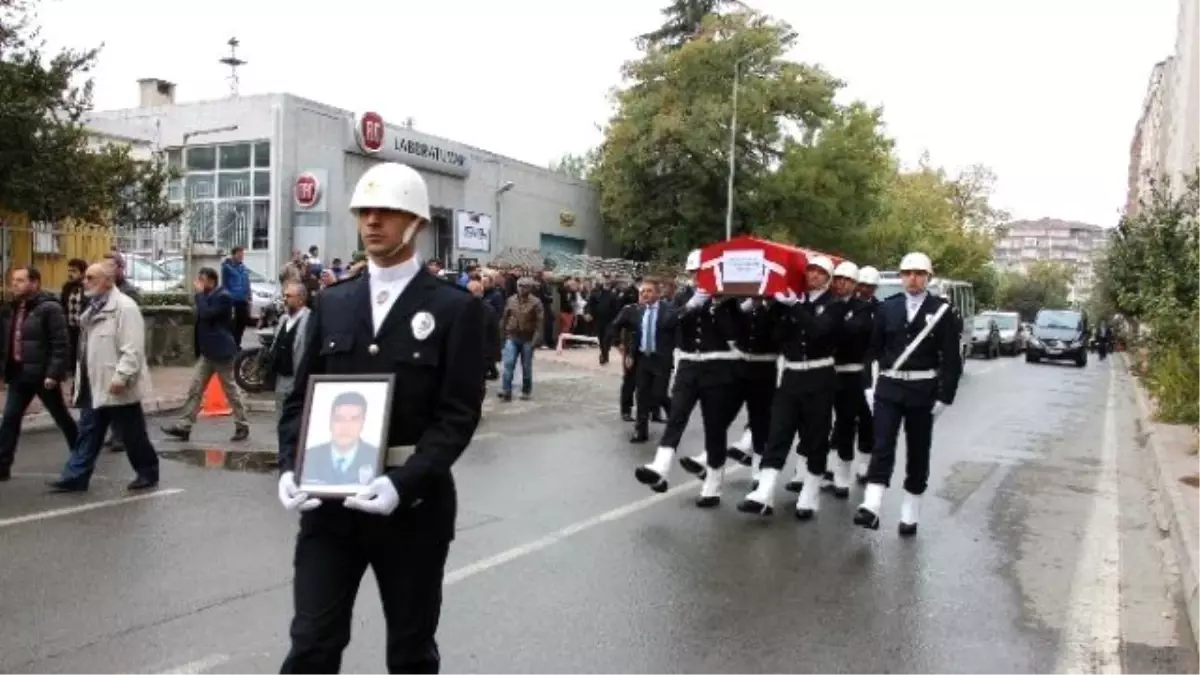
<point>342,465</point>
<point>650,326</point>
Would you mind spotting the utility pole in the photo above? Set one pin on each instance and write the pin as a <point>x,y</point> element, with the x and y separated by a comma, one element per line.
<point>737,72</point>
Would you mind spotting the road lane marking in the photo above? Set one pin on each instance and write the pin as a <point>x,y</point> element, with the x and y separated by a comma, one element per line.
<point>553,538</point>
<point>1092,633</point>
<point>198,666</point>
<point>487,435</point>
<point>69,510</point>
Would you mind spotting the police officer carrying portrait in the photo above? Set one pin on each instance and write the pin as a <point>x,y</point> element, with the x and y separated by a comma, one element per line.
<point>916,339</point>
<point>394,318</point>
<point>707,370</point>
<point>850,364</point>
<point>803,401</point>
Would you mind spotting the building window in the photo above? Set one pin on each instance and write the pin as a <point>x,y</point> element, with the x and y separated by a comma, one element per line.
<point>226,190</point>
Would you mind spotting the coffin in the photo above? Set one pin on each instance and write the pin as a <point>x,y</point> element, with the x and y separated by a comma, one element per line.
<point>746,266</point>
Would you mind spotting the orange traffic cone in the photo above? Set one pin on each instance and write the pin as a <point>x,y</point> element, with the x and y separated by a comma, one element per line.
<point>214,403</point>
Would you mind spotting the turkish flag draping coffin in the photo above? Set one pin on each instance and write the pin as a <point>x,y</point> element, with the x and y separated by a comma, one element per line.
<point>746,266</point>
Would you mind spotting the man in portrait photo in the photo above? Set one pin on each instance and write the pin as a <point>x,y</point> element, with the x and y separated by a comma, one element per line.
<point>346,458</point>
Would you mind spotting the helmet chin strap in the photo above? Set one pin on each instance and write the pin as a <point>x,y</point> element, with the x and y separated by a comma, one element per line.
<point>405,239</point>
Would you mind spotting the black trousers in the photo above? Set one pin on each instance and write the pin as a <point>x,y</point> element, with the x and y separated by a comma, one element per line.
<point>241,319</point>
<point>653,374</point>
<point>604,333</point>
<point>803,410</point>
<point>850,410</point>
<point>333,549</point>
<point>20,395</point>
<point>918,437</point>
<point>756,389</point>
<point>628,387</point>
<point>703,383</point>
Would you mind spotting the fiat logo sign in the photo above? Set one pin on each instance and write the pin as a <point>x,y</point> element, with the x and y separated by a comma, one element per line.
<point>307,191</point>
<point>370,131</point>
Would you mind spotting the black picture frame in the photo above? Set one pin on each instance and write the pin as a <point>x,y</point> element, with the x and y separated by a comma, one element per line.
<point>318,478</point>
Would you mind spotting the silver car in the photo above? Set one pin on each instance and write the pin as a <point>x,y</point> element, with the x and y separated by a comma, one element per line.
<point>1012,336</point>
<point>263,291</point>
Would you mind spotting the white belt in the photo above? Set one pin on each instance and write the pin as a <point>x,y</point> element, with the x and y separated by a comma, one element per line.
<point>397,455</point>
<point>708,356</point>
<point>760,358</point>
<point>811,364</point>
<point>909,374</point>
<point>849,368</point>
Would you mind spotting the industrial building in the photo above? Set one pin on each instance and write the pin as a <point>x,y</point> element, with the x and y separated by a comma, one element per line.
<point>274,172</point>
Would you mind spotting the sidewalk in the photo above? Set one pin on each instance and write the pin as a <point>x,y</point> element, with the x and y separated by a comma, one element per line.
<point>168,392</point>
<point>1174,472</point>
<point>583,356</point>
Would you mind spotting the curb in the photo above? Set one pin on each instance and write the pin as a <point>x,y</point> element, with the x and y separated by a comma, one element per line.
<point>41,421</point>
<point>1184,541</point>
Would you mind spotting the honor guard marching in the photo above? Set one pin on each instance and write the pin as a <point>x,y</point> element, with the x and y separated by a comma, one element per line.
<point>850,364</point>
<point>868,281</point>
<point>396,318</point>
<point>917,342</point>
<point>708,360</point>
<point>804,399</point>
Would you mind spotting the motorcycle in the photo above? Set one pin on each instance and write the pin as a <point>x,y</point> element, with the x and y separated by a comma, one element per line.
<point>252,367</point>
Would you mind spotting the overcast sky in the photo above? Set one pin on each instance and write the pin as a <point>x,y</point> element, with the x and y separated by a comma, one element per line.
<point>1046,93</point>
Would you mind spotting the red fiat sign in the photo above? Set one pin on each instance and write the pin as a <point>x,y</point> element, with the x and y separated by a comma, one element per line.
<point>308,190</point>
<point>370,131</point>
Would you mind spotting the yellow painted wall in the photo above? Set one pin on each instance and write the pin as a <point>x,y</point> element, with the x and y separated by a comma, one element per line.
<point>89,242</point>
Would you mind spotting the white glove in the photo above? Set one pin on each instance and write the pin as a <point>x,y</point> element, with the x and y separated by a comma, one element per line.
<point>870,393</point>
<point>291,497</point>
<point>747,305</point>
<point>378,497</point>
<point>938,409</point>
<point>790,298</point>
<point>697,299</point>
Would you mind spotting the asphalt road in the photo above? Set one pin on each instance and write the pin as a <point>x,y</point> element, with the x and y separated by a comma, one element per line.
<point>1037,552</point>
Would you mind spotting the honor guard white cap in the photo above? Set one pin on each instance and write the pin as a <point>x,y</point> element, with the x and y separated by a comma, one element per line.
<point>869,276</point>
<point>392,186</point>
<point>822,262</point>
<point>693,261</point>
<point>847,270</point>
<point>916,262</point>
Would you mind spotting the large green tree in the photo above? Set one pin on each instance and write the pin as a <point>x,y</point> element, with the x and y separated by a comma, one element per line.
<point>48,169</point>
<point>683,21</point>
<point>1044,285</point>
<point>663,166</point>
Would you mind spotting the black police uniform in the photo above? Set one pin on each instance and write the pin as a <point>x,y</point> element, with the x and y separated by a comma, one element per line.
<point>803,402</point>
<point>866,418</point>
<point>707,373</point>
<point>652,371</point>
<point>930,374</point>
<point>850,364</point>
<point>758,374</point>
<point>436,406</point>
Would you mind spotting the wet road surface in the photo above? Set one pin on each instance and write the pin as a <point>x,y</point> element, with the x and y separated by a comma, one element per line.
<point>1038,552</point>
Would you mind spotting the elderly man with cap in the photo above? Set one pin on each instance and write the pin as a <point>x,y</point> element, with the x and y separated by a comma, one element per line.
<point>804,400</point>
<point>916,340</point>
<point>394,319</point>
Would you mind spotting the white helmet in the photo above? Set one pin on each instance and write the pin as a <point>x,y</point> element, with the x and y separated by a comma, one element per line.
<point>916,262</point>
<point>393,186</point>
<point>822,262</point>
<point>693,261</point>
<point>869,276</point>
<point>846,269</point>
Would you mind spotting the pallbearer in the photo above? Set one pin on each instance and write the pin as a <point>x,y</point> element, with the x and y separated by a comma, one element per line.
<point>394,318</point>
<point>850,360</point>
<point>868,281</point>
<point>916,338</point>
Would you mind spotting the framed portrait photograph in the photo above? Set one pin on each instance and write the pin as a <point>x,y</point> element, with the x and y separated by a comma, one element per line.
<point>343,434</point>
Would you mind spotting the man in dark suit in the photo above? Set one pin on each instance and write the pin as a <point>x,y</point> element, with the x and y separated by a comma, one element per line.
<point>394,318</point>
<point>346,458</point>
<point>602,307</point>
<point>650,348</point>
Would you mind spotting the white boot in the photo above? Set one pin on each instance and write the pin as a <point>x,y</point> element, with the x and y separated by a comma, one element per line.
<point>746,442</point>
<point>797,480</point>
<point>910,513</point>
<point>655,473</point>
<point>695,465</point>
<point>841,478</point>
<point>867,514</point>
<point>830,461</point>
<point>755,471</point>
<point>862,464</point>
<point>710,492</point>
<point>762,499</point>
<point>810,497</point>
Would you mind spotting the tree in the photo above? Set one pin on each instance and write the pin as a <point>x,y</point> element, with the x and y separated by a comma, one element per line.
<point>684,21</point>
<point>970,193</point>
<point>1044,284</point>
<point>575,166</point>
<point>48,171</point>
<point>663,166</point>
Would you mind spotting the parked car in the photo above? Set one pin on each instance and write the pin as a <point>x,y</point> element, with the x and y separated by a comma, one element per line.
<point>150,277</point>
<point>1059,334</point>
<point>263,291</point>
<point>985,337</point>
<point>1012,337</point>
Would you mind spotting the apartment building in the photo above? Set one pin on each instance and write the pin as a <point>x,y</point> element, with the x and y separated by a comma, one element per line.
<point>1074,244</point>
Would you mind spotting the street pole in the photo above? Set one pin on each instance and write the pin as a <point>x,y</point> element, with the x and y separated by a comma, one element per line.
<point>732,154</point>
